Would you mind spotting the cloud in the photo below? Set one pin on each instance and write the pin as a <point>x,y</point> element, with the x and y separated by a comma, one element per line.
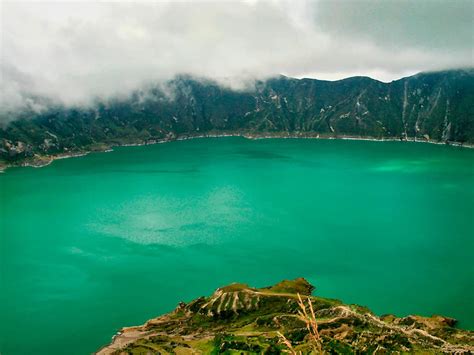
<point>72,52</point>
<point>432,25</point>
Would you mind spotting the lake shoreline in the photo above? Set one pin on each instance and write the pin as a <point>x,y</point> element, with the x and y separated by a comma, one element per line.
<point>40,161</point>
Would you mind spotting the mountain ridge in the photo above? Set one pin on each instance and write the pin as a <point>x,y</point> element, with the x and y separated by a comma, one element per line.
<point>435,107</point>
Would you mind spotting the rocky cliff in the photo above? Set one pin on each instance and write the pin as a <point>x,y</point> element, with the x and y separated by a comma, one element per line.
<point>428,106</point>
<point>286,318</point>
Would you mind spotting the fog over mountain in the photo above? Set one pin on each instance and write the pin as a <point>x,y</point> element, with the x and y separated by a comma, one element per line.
<point>73,53</point>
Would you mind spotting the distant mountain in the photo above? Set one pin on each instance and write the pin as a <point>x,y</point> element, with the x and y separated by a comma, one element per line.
<point>435,106</point>
<point>285,318</point>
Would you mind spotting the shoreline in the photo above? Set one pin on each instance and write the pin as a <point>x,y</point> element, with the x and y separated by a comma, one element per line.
<point>45,160</point>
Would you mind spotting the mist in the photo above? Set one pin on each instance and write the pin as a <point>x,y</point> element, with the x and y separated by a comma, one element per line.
<point>72,53</point>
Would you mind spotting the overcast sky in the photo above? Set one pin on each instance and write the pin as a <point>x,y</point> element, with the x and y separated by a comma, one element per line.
<point>74,51</point>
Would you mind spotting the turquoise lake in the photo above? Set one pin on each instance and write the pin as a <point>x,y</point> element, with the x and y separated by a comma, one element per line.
<point>92,244</point>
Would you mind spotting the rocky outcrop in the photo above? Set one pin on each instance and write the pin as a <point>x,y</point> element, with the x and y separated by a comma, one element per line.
<point>239,318</point>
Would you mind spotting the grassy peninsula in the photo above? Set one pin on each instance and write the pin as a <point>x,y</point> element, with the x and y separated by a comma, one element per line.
<point>286,317</point>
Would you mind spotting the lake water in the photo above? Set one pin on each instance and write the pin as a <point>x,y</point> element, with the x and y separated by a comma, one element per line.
<point>91,244</point>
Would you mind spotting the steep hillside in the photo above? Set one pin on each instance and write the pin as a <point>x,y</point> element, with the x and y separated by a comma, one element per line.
<point>240,319</point>
<point>428,106</point>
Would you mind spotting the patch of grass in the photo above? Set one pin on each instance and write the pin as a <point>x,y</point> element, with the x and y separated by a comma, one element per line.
<point>235,287</point>
<point>299,285</point>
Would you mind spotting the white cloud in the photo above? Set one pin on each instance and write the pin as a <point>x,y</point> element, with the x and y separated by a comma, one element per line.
<point>71,52</point>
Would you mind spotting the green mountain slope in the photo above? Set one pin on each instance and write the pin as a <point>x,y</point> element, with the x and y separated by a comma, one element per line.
<point>243,320</point>
<point>428,106</point>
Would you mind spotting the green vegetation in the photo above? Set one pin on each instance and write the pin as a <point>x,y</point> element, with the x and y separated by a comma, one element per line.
<point>238,319</point>
<point>428,106</point>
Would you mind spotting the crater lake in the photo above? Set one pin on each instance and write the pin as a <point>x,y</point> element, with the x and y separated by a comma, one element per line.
<point>91,244</point>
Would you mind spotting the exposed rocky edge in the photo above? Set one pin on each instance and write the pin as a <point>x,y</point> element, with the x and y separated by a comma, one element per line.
<point>241,319</point>
<point>434,107</point>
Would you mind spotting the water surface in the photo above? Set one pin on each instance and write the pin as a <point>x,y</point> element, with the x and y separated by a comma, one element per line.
<point>91,244</point>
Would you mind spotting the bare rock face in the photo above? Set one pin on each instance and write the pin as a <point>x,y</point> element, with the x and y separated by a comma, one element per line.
<point>239,318</point>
